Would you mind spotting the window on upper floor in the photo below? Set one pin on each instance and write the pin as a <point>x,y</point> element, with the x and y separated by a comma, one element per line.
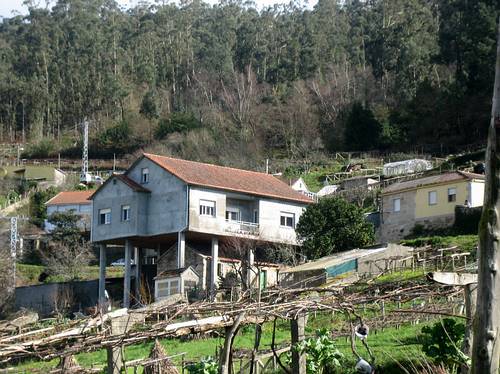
<point>207,208</point>
<point>432,197</point>
<point>287,219</point>
<point>452,194</point>
<point>255,216</point>
<point>144,175</point>
<point>125,212</point>
<point>232,214</point>
<point>396,205</point>
<point>104,216</point>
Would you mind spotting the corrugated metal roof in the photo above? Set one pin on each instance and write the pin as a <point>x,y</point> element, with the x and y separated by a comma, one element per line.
<point>335,259</point>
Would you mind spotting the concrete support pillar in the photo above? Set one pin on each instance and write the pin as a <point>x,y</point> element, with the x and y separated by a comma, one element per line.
<point>137,272</point>
<point>250,268</point>
<point>181,250</point>
<point>102,276</point>
<point>213,268</point>
<point>126,278</point>
<point>298,327</point>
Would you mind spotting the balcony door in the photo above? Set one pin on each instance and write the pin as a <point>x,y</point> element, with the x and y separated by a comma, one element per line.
<point>233,215</point>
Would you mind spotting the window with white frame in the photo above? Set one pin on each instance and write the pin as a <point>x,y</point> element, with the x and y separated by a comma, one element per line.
<point>432,197</point>
<point>396,205</point>
<point>452,194</point>
<point>287,219</point>
<point>167,287</point>
<point>207,208</point>
<point>233,214</point>
<point>104,216</point>
<point>144,175</point>
<point>125,212</point>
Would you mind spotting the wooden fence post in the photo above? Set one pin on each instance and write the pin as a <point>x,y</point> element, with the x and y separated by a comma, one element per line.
<point>298,326</point>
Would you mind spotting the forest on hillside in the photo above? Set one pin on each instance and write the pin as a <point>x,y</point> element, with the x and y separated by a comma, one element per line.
<point>228,82</point>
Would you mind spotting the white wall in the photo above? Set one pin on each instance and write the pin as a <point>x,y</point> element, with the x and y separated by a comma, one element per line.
<point>476,193</point>
<point>84,210</point>
<point>269,220</point>
<point>269,216</point>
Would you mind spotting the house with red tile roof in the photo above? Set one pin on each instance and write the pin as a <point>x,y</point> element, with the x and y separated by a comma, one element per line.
<point>162,204</point>
<point>76,201</point>
<point>428,202</point>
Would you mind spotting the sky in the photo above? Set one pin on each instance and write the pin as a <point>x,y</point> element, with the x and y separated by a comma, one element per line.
<point>7,6</point>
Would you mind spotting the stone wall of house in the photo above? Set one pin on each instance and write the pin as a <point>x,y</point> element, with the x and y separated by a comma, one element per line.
<point>394,226</point>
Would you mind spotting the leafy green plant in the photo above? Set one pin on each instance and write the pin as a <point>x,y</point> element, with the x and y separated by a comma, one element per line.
<point>333,225</point>
<point>207,365</point>
<point>322,355</point>
<point>442,340</point>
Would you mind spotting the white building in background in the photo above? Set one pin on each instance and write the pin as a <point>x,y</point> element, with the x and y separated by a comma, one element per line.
<point>76,201</point>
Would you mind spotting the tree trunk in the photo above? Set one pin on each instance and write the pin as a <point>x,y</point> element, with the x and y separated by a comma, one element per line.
<point>226,352</point>
<point>486,348</point>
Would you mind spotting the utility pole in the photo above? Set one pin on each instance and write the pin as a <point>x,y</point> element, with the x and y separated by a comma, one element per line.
<point>486,347</point>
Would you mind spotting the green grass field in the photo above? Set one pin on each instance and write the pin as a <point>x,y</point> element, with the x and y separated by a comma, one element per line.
<point>29,274</point>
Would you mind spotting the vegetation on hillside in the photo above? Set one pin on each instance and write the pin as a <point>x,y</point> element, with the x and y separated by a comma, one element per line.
<point>233,84</point>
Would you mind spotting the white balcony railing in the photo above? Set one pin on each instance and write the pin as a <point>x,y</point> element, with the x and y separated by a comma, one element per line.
<point>242,227</point>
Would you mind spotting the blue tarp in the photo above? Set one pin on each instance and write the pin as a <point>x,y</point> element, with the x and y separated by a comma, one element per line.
<point>343,268</point>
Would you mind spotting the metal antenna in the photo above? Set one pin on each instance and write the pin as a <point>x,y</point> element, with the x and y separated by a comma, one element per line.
<point>13,244</point>
<point>85,155</point>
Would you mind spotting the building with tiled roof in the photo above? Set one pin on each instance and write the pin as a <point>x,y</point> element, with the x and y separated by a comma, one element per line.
<point>428,202</point>
<point>161,203</point>
<point>76,201</point>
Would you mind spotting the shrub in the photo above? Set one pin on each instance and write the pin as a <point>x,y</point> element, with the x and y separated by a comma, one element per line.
<point>207,365</point>
<point>177,122</point>
<point>44,148</point>
<point>442,340</point>
<point>333,225</point>
<point>38,209</point>
<point>322,355</point>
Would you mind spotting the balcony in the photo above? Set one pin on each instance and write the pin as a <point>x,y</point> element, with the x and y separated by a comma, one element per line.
<point>241,227</point>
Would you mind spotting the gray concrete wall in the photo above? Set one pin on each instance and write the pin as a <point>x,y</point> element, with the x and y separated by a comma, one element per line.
<point>162,211</point>
<point>167,204</point>
<point>113,196</point>
<point>366,263</point>
<point>310,278</point>
<point>46,299</point>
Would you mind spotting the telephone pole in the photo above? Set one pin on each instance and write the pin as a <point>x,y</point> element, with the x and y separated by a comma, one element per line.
<point>486,344</point>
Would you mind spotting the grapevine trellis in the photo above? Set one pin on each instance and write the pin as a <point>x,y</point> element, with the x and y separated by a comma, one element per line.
<point>176,318</point>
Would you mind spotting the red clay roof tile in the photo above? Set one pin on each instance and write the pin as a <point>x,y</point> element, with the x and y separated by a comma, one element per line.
<point>231,179</point>
<point>71,197</point>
